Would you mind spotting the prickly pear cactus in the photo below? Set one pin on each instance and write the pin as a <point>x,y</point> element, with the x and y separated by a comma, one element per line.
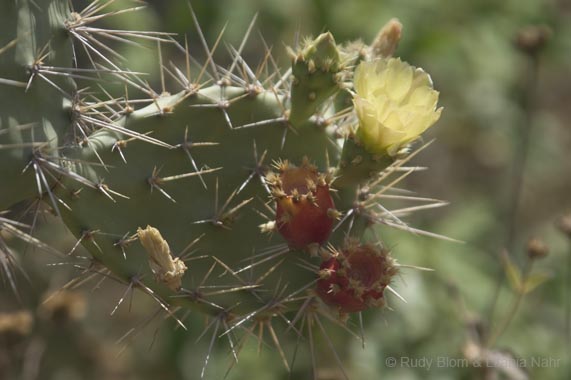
<point>242,193</point>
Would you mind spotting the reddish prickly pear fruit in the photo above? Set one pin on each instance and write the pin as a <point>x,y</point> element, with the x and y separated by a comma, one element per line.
<point>305,211</point>
<point>354,279</point>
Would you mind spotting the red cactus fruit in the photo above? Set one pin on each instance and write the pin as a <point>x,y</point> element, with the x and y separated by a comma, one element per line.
<point>305,211</point>
<point>354,279</point>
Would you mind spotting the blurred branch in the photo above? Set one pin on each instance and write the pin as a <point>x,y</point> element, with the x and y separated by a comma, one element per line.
<point>530,41</point>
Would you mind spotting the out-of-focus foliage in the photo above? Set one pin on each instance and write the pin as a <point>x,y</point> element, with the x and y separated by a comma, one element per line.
<point>468,47</point>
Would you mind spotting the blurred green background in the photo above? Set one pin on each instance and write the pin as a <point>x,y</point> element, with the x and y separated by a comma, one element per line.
<point>493,97</point>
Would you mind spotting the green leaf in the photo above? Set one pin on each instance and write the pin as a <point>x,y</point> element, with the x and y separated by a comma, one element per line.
<point>534,280</point>
<point>512,272</point>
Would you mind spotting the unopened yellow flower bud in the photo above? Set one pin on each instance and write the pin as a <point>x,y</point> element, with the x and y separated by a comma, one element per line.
<point>395,102</point>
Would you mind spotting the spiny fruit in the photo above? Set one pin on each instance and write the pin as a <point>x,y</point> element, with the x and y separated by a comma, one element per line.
<point>354,278</point>
<point>305,211</point>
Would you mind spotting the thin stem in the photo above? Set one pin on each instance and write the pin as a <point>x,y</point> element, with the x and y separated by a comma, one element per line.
<point>520,160</point>
<point>521,154</point>
<point>515,305</point>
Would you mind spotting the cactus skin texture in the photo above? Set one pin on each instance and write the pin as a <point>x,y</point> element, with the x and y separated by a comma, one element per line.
<point>195,164</point>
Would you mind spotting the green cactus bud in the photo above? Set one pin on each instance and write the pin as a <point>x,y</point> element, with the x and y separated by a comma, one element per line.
<point>316,71</point>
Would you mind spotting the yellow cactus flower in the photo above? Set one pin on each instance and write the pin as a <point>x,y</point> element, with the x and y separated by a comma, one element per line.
<point>395,103</point>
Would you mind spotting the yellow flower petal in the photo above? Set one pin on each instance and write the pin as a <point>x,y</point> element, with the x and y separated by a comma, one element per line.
<point>395,102</point>
<point>398,80</point>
